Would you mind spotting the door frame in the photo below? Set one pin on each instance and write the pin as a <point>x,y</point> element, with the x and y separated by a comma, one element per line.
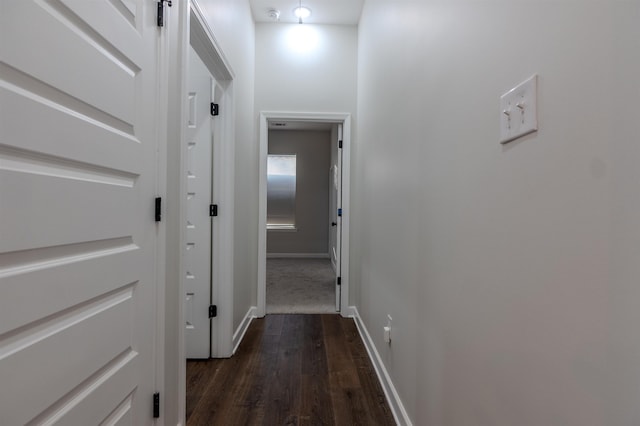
<point>334,118</point>
<point>186,24</point>
<point>203,42</point>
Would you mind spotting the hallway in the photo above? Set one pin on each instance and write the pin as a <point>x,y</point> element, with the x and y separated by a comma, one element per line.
<point>505,270</point>
<point>289,370</point>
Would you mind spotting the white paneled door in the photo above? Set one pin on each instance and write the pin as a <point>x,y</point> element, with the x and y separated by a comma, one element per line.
<point>78,176</point>
<point>198,250</point>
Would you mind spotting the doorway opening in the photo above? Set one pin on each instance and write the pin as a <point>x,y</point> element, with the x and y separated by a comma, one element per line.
<point>303,217</point>
<point>207,196</point>
<point>300,277</point>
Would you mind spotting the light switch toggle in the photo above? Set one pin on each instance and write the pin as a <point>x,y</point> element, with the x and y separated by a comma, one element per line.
<point>524,97</point>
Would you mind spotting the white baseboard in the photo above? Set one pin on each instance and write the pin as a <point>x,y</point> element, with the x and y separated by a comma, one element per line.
<point>242,328</point>
<point>298,255</point>
<point>351,312</point>
<point>397,408</point>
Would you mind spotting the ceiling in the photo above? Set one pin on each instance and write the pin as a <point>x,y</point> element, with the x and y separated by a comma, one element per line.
<point>340,12</point>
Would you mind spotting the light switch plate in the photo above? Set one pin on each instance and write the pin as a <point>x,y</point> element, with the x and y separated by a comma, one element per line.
<point>518,110</point>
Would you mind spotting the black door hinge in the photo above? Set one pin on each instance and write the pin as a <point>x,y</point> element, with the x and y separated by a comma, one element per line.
<point>156,405</point>
<point>339,212</point>
<point>161,11</point>
<point>213,210</point>
<point>158,209</point>
<point>339,281</point>
<point>339,144</point>
<point>213,311</point>
<point>215,109</point>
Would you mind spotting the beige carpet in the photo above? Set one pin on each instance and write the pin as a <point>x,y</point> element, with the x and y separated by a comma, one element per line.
<point>300,286</point>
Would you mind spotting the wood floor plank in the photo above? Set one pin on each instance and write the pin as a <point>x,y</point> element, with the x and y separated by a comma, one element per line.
<point>340,362</point>
<point>199,373</point>
<point>343,379</point>
<point>284,392</point>
<point>245,395</point>
<point>289,370</point>
<point>221,409</point>
<point>316,407</point>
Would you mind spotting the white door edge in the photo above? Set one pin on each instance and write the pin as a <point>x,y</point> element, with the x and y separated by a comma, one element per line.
<point>338,118</point>
<point>339,257</point>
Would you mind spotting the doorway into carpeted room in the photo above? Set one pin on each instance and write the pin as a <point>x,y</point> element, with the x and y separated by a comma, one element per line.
<point>300,286</point>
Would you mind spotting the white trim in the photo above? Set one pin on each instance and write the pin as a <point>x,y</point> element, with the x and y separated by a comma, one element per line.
<point>346,215</point>
<point>207,45</point>
<point>397,408</point>
<point>352,312</point>
<point>162,149</point>
<point>298,256</point>
<point>243,327</point>
<point>270,228</point>
<point>262,216</point>
<point>339,118</point>
<point>177,29</point>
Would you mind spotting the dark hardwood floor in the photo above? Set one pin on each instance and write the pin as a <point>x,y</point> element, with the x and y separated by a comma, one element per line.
<point>289,370</point>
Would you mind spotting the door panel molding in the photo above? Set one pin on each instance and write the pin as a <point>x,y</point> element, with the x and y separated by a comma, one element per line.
<point>79,170</point>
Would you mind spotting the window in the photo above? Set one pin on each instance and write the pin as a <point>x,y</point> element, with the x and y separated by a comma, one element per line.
<point>281,191</point>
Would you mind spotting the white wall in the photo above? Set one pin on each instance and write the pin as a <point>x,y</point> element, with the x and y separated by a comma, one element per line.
<point>233,27</point>
<point>313,155</point>
<point>322,79</point>
<point>511,272</point>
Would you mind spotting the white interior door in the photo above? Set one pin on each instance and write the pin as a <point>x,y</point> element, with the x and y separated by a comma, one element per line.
<point>78,238</point>
<point>338,240</point>
<point>198,258</point>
